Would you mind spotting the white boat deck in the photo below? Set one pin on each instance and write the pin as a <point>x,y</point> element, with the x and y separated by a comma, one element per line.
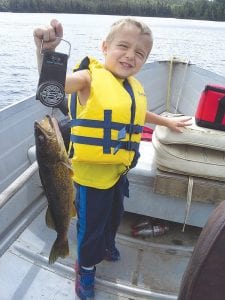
<point>149,268</point>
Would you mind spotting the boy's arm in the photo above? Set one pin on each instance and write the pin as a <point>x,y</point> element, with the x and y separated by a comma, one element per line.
<point>78,81</point>
<point>175,124</point>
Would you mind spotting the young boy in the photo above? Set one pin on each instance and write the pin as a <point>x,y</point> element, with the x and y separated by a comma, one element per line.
<point>108,109</point>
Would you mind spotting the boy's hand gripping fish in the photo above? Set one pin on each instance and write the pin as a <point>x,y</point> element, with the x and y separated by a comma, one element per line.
<point>56,177</point>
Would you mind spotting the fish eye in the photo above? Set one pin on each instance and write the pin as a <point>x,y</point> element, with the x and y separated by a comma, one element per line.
<point>41,138</point>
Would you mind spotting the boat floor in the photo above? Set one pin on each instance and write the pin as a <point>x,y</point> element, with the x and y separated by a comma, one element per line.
<point>149,268</point>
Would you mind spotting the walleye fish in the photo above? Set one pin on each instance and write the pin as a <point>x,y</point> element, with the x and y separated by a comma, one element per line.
<point>56,177</point>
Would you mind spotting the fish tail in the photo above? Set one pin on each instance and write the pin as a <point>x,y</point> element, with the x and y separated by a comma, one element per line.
<point>59,249</point>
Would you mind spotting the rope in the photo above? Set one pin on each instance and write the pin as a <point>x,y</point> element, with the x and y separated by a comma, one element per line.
<point>169,85</point>
<point>182,85</point>
<point>189,198</point>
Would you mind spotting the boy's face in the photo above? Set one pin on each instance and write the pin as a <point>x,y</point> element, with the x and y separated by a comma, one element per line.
<point>127,52</point>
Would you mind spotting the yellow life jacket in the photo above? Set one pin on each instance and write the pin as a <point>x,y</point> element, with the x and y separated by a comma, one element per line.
<point>107,130</point>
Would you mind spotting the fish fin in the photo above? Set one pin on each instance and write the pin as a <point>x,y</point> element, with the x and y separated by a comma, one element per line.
<point>59,249</point>
<point>49,220</point>
<point>68,167</point>
<point>73,211</point>
<point>71,172</point>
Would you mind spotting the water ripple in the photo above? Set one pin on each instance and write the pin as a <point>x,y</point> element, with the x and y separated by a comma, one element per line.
<point>201,42</point>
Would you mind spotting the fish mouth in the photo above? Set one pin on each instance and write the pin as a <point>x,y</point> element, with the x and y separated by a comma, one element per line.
<point>54,124</point>
<point>48,127</point>
<point>43,127</point>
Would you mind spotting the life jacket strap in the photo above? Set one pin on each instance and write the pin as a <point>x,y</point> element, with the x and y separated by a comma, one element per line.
<point>129,89</point>
<point>129,128</point>
<point>130,146</point>
<point>107,125</point>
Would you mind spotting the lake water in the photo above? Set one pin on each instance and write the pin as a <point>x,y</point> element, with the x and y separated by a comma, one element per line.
<point>201,42</point>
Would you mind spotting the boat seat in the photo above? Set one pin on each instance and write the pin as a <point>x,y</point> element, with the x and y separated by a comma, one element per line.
<point>197,151</point>
<point>190,165</point>
<point>204,276</point>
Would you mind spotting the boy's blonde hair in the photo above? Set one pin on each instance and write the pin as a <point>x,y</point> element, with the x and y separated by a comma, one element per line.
<point>118,25</point>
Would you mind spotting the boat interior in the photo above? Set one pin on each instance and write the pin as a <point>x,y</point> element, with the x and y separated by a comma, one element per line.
<point>150,267</point>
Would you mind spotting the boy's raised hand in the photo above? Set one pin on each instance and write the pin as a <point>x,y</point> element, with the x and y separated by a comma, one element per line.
<point>50,35</point>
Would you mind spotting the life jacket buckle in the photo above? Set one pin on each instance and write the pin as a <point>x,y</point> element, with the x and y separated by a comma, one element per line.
<point>122,133</point>
<point>117,148</point>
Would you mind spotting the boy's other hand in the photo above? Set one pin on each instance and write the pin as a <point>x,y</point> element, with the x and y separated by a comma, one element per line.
<point>176,124</point>
<point>50,34</point>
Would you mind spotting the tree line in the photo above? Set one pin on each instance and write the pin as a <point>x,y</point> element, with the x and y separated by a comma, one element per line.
<point>182,9</point>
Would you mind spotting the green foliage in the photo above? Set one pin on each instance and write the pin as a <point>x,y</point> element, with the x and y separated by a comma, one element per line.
<point>188,9</point>
<point>4,5</point>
